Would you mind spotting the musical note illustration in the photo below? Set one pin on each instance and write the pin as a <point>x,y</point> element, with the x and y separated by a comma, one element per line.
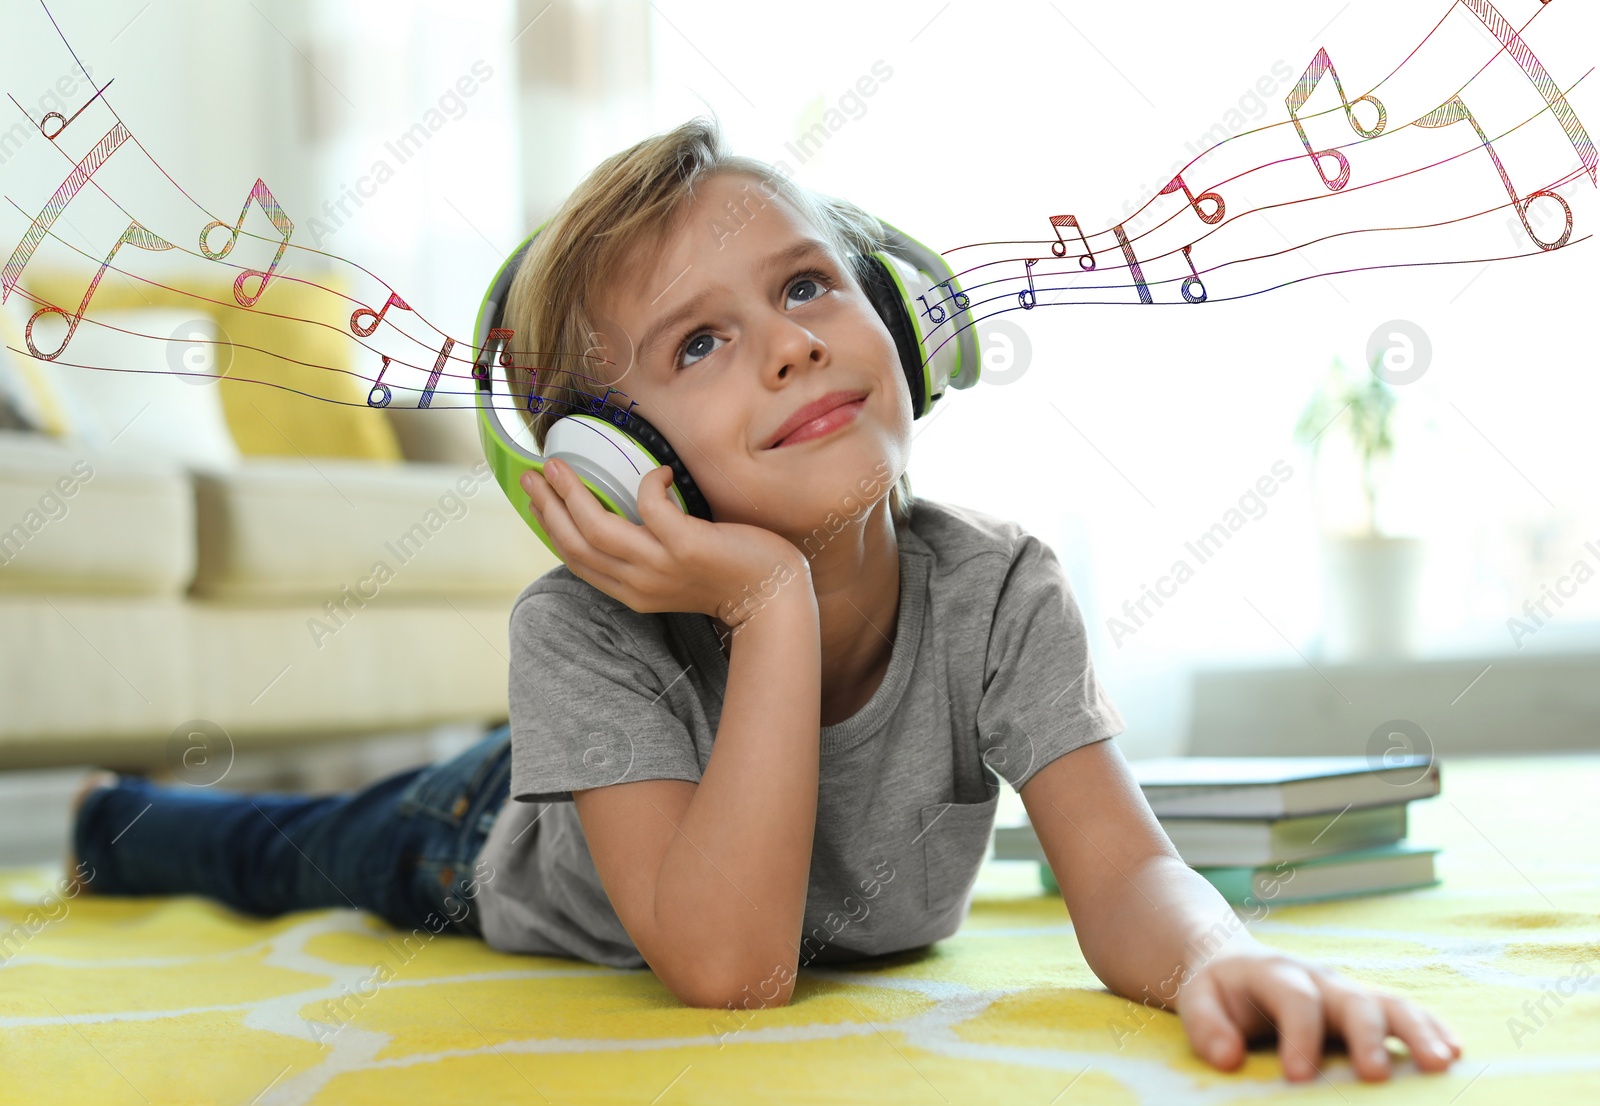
<point>136,236</point>
<point>433,376</point>
<point>281,222</point>
<point>377,316</point>
<point>379,386</point>
<point>81,172</point>
<point>65,122</point>
<point>498,335</point>
<point>1027,297</point>
<point>1454,110</point>
<point>1194,279</point>
<point>618,416</point>
<point>1534,70</point>
<point>1133,264</point>
<point>1059,246</point>
<point>936,312</point>
<point>1234,276</point>
<point>960,298</point>
<point>1302,92</point>
<point>1194,201</point>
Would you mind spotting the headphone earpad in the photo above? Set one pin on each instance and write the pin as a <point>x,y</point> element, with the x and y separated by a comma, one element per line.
<point>636,427</point>
<point>884,295</point>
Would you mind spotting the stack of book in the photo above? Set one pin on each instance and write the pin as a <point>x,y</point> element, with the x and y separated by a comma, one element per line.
<point>1279,829</point>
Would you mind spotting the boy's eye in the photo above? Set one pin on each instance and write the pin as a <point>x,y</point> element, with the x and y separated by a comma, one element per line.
<point>807,287</point>
<point>698,346</point>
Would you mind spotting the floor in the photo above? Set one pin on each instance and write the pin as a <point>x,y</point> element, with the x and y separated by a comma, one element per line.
<point>172,1000</point>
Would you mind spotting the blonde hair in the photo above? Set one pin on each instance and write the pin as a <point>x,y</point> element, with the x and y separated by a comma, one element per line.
<point>624,209</point>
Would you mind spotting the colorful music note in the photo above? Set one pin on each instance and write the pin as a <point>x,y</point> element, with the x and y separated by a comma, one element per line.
<point>1534,70</point>
<point>961,300</point>
<point>498,335</point>
<point>65,122</point>
<point>1194,201</point>
<point>936,312</point>
<point>136,236</point>
<point>377,316</point>
<point>433,376</point>
<point>1027,297</point>
<point>618,415</point>
<point>46,218</point>
<point>1133,265</point>
<point>1302,92</point>
<point>1059,246</point>
<point>1454,111</point>
<point>536,402</point>
<point>281,222</point>
<point>1195,280</point>
<point>379,386</point>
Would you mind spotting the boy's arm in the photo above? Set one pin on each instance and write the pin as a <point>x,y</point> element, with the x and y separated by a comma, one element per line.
<point>711,886</point>
<point>1154,931</point>
<point>711,881</point>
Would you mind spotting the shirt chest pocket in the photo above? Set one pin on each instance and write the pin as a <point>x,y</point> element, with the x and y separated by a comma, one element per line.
<point>955,843</point>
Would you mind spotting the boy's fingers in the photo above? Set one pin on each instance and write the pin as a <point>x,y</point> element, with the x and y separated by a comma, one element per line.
<point>1294,1002</point>
<point>658,510</point>
<point>1427,1045</point>
<point>1360,1019</point>
<point>1449,1038</point>
<point>564,531</point>
<point>1210,1030</point>
<point>610,536</point>
<point>535,486</point>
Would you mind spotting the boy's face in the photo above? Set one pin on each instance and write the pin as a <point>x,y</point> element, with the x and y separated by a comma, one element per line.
<point>743,316</point>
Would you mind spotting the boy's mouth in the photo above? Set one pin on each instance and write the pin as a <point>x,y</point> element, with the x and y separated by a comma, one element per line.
<point>818,418</point>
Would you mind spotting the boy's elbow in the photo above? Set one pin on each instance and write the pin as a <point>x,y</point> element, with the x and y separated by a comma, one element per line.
<point>743,987</point>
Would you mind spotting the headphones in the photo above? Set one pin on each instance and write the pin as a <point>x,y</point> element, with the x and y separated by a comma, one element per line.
<point>911,287</point>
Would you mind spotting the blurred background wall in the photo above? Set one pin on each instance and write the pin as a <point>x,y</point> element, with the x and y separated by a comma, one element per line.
<point>1119,436</point>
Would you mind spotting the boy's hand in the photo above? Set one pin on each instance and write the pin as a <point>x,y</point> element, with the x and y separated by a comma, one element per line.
<point>1239,995</point>
<point>674,562</point>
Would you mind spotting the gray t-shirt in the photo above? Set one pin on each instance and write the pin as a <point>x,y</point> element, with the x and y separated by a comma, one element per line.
<point>989,676</point>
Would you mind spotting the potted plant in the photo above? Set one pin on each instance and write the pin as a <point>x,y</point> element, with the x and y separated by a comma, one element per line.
<point>1371,577</point>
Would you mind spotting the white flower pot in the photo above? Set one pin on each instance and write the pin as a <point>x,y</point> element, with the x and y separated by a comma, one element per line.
<point>1370,588</point>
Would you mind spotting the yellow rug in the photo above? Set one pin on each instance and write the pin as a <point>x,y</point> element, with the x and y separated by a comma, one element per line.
<point>172,1001</point>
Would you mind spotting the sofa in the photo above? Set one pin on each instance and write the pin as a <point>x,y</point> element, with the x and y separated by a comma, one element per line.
<point>190,558</point>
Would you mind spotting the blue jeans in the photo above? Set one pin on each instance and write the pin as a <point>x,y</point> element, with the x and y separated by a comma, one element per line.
<point>403,848</point>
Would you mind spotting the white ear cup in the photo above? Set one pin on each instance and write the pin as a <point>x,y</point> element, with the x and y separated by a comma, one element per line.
<point>605,457</point>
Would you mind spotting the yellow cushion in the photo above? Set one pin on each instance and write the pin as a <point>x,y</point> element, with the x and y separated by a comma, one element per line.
<point>266,420</point>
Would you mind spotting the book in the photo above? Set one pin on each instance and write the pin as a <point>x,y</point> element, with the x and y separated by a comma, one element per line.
<point>1280,787</point>
<point>1395,867</point>
<point>1240,841</point>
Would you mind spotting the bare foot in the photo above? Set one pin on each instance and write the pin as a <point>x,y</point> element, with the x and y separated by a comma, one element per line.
<point>91,782</point>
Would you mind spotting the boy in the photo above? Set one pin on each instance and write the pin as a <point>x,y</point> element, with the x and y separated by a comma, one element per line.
<point>744,746</point>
